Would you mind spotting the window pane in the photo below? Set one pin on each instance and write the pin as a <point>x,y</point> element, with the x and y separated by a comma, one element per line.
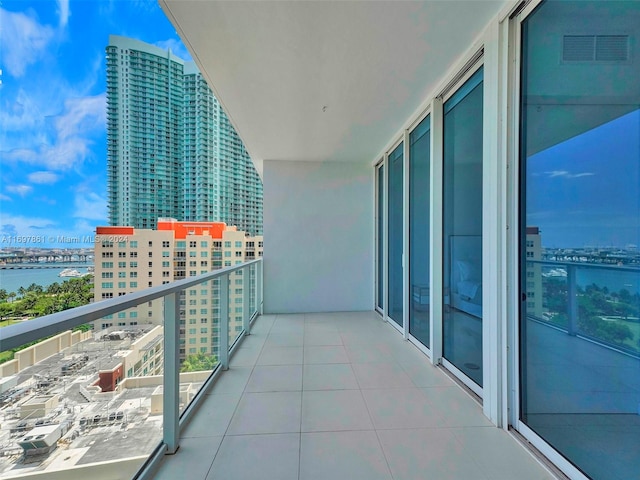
<point>419,205</point>
<point>380,213</point>
<point>462,228</point>
<point>395,234</point>
<point>580,269</point>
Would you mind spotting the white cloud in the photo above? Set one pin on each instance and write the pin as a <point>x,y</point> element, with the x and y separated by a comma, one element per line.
<point>91,206</point>
<point>25,41</point>
<point>63,10</point>
<point>566,174</point>
<point>21,113</point>
<point>43,177</point>
<point>578,175</point>
<point>21,155</point>
<point>47,230</point>
<point>5,198</point>
<point>64,155</point>
<point>46,199</point>
<point>82,114</point>
<point>71,142</point>
<point>176,47</point>
<point>94,76</point>
<point>30,114</point>
<point>82,227</point>
<point>21,190</point>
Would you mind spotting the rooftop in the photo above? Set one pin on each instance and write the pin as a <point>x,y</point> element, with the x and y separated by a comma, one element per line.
<point>95,427</point>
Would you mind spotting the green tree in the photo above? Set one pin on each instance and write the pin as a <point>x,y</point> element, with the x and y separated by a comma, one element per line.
<point>625,296</point>
<point>3,295</point>
<point>29,301</point>
<point>607,331</point>
<point>6,310</point>
<point>54,288</point>
<point>35,288</point>
<point>199,362</point>
<point>625,310</point>
<point>36,302</point>
<point>555,295</point>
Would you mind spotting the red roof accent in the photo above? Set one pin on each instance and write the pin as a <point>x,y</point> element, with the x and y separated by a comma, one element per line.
<point>114,231</point>
<point>182,229</point>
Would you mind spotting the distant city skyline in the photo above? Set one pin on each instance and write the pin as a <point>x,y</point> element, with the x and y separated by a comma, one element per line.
<point>53,112</point>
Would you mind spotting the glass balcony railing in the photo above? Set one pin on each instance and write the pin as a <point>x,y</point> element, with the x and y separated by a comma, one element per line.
<point>595,301</point>
<point>77,399</point>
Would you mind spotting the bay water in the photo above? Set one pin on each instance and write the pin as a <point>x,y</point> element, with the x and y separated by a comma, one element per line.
<point>12,279</point>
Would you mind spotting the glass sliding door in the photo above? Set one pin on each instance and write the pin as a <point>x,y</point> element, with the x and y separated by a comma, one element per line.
<point>579,233</point>
<point>462,229</point>
<point>380,237</point>
<point>419,230</point>
<point>395,307</point>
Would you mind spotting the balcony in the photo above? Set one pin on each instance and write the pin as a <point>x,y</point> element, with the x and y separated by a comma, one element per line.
<point>349,95</point>
<point>341,395</point>
<point>329,395</point>
<point>304,396</point>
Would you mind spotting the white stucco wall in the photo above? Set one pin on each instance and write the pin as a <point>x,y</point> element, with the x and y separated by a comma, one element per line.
<point>318,231</point>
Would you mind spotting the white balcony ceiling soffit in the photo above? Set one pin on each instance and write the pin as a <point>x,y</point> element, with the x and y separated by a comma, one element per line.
<point>325,80</point>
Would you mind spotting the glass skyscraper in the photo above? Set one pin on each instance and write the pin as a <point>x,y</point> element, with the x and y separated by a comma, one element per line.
<point>171,149</point>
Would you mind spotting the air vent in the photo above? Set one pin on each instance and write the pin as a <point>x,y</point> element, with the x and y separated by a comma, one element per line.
<point>578,48</point>
<point>595,48</point>
<point>612,48</point>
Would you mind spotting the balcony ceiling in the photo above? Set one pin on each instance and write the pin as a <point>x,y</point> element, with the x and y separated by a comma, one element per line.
<point>324,80</point>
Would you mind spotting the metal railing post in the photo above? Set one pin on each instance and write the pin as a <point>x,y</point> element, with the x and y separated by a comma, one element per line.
<point>246,299</point>
<point>223,334</point>
<point>171,396</point>
<point>572,301</point>
<point>259,283</point>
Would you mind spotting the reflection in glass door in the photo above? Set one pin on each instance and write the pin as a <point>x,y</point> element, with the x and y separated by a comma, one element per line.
<point>419,230</point>
<point>395,307</point>
<point>462,229</point>
<point>579,233</point>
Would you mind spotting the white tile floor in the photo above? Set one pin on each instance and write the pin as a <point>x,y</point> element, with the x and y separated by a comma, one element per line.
<point>341,396</point>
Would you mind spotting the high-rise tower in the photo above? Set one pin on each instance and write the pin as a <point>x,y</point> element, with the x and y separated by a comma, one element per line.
<point>219,180</point>
<point>144,113</point>
<point>171,150</point>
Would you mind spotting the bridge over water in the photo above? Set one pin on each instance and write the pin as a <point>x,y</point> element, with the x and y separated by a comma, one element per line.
<point>37,259</point>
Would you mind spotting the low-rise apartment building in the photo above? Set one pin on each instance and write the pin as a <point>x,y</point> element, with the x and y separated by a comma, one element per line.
<point>129,259</point>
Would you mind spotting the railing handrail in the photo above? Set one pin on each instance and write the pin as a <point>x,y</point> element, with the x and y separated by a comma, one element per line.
<point>605,266</point>
<point>589,338</point>
<point>22,333</point>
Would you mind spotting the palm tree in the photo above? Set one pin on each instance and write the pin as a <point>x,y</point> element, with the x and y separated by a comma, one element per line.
<point>22,291</point>
<point>54,288</point>
<point>35,288</point>
<point>11,296</point>
<point>3,295</point>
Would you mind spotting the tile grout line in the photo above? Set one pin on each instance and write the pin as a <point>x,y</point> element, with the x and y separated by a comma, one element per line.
<point>375,429</point>
<point>304,327</point>
<point>235,410</point>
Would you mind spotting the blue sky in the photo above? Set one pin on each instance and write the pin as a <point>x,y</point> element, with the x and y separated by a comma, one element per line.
<point>53,139</point>
<point>52,111</point>
<point>584,191</point>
